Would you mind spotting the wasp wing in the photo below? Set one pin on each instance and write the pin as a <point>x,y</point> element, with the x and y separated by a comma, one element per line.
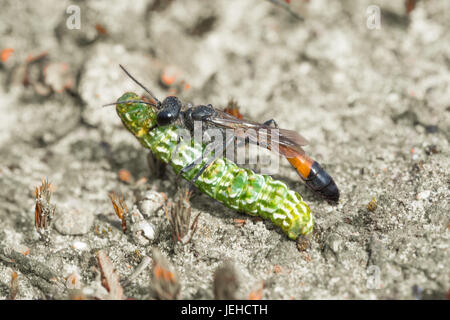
<point>285,142</point>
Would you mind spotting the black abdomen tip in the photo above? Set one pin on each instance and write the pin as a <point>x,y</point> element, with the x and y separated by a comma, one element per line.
<point>320,182</point>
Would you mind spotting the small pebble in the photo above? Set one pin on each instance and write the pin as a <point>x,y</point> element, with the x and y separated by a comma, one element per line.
<point>151,203</point>
<point>423,195</point>
<point>146,229</point>
<point>79,245</point>
<point>74,222</point>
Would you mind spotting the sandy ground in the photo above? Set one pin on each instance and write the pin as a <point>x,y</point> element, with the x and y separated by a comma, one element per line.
<point>374,103</point>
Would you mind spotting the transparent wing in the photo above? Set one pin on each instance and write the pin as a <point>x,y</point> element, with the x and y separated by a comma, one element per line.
<point>286,142</point>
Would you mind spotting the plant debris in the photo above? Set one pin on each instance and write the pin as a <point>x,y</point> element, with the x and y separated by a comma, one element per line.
<point>14,286</point>
<point>233,109</point>
<point>179,216</point>
<point>110,278</point>
<point>120,208</point>
<point>303,243</point>
<point>125,176</point>
<point>44,210</point>
<point>164,279</point>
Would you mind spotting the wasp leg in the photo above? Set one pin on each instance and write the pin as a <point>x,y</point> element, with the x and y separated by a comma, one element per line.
<point>191,165</point>
<point>271,123</point>
<point>205,166</point>
<point>188,167</point>
<point>194,163</point>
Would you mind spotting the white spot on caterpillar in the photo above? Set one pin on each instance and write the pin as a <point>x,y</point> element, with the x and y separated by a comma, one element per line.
<point>277,216</point>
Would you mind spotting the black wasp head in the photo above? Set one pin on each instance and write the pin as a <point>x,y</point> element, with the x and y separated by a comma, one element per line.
<point>171,107</point>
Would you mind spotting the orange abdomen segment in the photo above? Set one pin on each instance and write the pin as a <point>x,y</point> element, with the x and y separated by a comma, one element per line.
<point>302,164</point>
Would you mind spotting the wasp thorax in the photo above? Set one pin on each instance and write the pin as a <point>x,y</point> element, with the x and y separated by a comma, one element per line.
<point>170,111</point>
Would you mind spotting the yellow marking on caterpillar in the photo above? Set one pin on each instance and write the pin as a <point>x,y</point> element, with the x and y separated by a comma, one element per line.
<point>141,132</point>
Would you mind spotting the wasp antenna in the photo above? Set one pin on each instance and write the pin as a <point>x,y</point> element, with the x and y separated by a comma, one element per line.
<point>130,101</point>
<point>142,86</point>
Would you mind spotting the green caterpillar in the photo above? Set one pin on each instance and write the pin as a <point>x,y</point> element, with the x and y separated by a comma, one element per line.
<point>237,188</point>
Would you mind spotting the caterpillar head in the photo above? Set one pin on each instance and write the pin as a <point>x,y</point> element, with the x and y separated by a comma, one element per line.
<point>138,117</point>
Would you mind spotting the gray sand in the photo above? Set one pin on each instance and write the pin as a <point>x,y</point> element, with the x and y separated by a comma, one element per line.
<point>375,105</point>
